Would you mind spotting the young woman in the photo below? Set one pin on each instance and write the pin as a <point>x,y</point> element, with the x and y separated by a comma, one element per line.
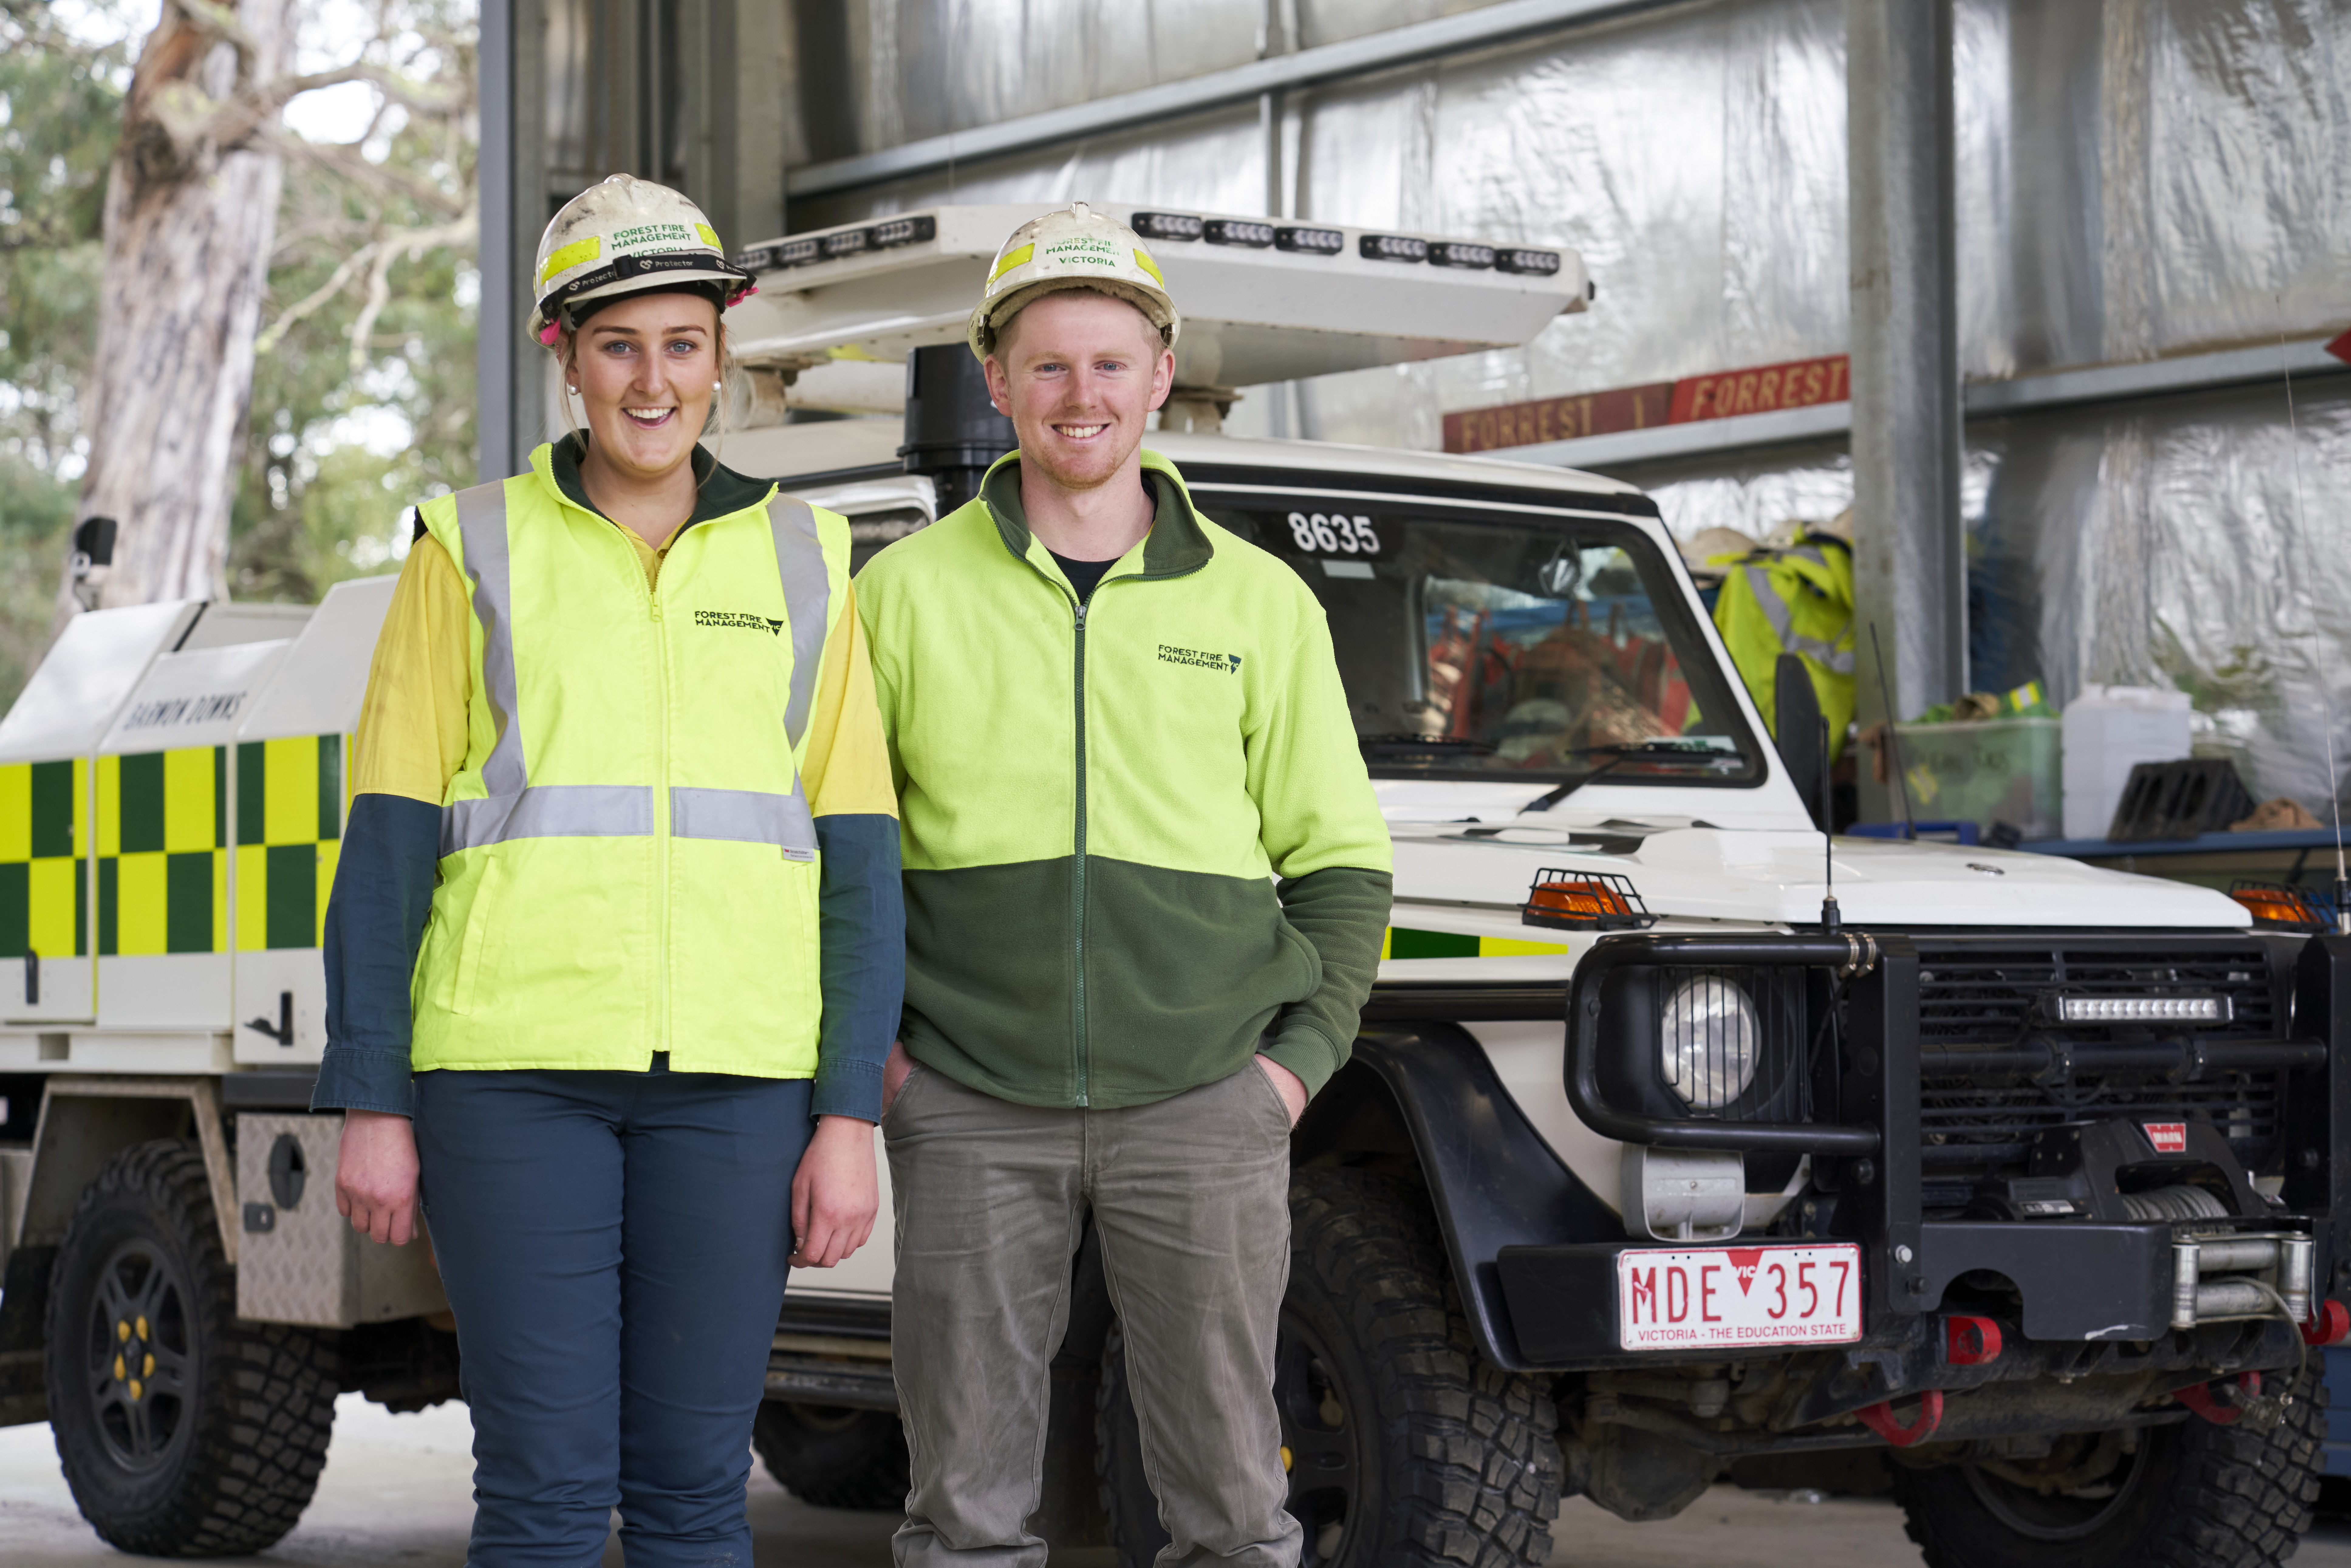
<point>615,948</point>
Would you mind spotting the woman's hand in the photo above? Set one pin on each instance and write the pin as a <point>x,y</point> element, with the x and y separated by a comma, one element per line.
<point>835,1193</point>
<point>893,1074</point>
<point>375,1176</point>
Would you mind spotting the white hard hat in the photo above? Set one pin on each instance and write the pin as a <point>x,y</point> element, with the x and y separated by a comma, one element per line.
<point>627,236</point>
<point>1075,247</point>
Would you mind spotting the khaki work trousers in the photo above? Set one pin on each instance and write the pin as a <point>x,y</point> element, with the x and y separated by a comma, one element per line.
<point>1190,1199</point>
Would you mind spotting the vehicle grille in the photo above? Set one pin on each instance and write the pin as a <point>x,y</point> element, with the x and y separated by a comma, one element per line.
<point>1984,994</point>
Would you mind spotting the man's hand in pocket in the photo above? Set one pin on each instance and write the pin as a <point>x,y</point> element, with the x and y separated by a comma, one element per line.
<point>1287,1084</point>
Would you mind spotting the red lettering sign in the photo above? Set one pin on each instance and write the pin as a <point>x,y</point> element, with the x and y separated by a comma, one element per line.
<point>1767,389</point>
<point>2168,1137</point>
<point>1558,418</point>
<point>1677,1305</point>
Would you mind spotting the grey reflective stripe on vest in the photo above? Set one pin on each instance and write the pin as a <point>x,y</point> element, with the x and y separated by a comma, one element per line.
<point>746,816</point>
<point>800,557</point>
<point>549,811</point>
<point>482,528</point>
<point>515,809</point>
<point>1776,609</point>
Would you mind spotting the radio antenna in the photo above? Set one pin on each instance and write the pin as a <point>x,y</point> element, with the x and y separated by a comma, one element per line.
<point>1893,746</point>
<point>2325,692</point>
<point>1829,919</point>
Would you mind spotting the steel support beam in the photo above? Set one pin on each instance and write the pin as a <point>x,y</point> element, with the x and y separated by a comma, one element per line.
<point>510,409</point>
<point>1909,565</point>
<point>1357,57</point>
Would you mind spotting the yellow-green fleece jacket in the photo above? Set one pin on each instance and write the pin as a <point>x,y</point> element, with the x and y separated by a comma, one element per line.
<point>1139,841</point>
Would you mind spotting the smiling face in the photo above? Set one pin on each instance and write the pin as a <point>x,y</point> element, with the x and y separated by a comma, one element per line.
<point>646,366</point>
<point>1078,373</point>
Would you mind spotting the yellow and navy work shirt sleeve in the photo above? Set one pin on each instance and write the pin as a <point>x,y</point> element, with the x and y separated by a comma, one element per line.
<point>409,743</point>
<point>860,910</point>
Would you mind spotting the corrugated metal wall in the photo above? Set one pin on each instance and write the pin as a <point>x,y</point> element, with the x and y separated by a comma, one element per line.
<point>2137,178</point>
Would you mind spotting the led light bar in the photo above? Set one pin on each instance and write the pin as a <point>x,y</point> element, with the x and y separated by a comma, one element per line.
<point>1314,242</point>
<point>796,252</point>
<point>1541,263</point>
<point>1460,253</point>
<point>1393,248</point>
<point>1181,226</point>
<point>895,231</point>
<point>1240,231</point>
<point>847,242</point>
<point>2143,1010</point>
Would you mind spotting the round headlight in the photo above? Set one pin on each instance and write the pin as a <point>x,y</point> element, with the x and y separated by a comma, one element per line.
<point>1710,1038</point>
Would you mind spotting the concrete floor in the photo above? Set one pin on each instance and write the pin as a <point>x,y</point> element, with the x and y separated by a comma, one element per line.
<point>396,1495</point>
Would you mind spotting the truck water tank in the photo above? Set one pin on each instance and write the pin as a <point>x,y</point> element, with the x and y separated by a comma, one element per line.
<point>2107,731</point>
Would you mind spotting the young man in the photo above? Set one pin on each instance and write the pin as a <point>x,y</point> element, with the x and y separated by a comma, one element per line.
<point>1145,884</point>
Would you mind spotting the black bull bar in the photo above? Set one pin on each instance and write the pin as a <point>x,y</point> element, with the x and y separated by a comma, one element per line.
<point>2109,1277</point>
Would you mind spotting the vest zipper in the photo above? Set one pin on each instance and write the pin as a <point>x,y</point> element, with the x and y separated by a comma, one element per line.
<point>1077,869</point>
<point>661,890</point>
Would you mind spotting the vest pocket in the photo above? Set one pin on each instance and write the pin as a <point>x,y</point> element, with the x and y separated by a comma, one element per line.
<point>479,914</point>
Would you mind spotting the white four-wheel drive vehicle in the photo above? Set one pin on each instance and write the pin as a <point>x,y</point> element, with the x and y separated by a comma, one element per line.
<point>2024,1176</point>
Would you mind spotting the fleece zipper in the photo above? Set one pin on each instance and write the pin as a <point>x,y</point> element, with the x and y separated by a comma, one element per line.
<point>1078,868</point>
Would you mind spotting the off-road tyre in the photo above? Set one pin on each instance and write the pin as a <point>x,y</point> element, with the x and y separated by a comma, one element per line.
<point>1434,1458</point>
<point>220,1454</point>
<point>2199,1495</point>
<point>832,1457</point>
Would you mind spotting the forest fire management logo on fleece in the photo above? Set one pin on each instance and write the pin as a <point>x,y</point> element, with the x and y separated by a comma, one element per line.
<point>1229,664</point>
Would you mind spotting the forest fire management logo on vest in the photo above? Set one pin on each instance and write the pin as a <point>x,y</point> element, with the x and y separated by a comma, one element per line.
<point>767,624</point>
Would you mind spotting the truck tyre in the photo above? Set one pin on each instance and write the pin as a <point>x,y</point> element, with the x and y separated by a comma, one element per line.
<point>2195,1495</point>
<point>831,1456</point>
<point>184,1432</point>
<point>1404,1446</point>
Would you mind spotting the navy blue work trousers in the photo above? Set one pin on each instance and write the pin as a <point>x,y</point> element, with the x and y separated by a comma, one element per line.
<point>614,1246</point>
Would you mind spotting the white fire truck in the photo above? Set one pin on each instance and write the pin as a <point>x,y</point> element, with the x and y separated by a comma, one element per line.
<point>2016,1186</point>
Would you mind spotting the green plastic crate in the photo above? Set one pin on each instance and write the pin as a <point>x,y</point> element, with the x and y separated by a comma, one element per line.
<point>1990,770</point>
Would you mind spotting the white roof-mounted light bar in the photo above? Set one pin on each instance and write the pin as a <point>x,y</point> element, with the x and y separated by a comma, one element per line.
<point>1263,300</point>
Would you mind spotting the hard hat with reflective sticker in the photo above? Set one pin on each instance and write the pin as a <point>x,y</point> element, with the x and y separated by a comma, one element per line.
<point>1075,247</point>
<point>627,236</point>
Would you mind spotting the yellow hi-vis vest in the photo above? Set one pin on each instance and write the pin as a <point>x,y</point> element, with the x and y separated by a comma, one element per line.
<point>628,862</point>
<point>1796,600</point>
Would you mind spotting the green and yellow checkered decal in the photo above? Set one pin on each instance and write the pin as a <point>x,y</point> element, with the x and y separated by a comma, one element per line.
<point>1404,942</point>
<point>289,825</point>
<point>163,852</point>
<point>43,845</point>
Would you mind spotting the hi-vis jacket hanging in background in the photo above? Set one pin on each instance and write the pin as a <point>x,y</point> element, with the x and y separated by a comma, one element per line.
<point>1794,601</point>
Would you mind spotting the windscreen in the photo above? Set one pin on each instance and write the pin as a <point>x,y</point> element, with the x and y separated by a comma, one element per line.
<point>1476,644</point>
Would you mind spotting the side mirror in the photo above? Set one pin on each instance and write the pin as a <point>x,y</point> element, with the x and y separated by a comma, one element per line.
<point>93,540</point>
<point>1796,712</point>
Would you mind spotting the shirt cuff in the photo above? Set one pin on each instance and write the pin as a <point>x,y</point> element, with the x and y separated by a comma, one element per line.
<point>354,1080</point>
<point>847,1086</point>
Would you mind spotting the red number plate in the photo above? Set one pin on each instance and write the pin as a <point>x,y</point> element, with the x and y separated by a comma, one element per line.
<point>1731,1298</point>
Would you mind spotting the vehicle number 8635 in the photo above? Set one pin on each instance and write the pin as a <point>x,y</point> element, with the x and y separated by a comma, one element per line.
<point>1333,535</point>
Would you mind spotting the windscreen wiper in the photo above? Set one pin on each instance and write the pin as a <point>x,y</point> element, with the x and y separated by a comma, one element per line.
<point>1653,751</point>
<point>1426,744</point>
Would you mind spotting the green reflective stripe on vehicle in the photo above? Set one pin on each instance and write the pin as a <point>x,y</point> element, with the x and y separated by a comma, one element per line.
<point>1407,941</point>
